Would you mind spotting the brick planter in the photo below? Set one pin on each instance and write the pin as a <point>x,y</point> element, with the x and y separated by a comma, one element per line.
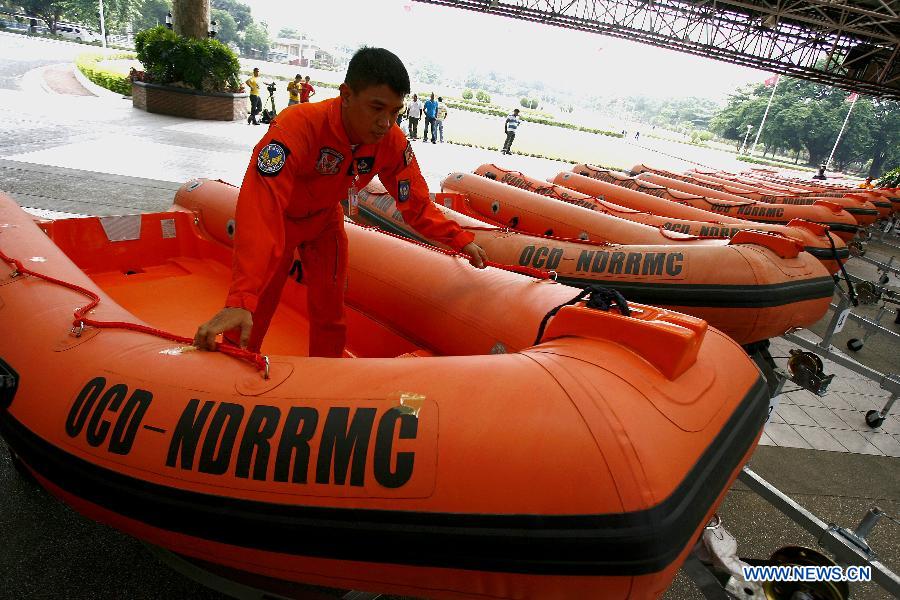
<point>183,102</point>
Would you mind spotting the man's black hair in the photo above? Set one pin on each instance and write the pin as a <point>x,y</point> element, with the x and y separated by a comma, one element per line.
<point>376,66</point>
<point>440,99</point>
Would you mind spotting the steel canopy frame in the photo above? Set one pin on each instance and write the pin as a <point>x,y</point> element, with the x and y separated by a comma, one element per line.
<point>851,45</point>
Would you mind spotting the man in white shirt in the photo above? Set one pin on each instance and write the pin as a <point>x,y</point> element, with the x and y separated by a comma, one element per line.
<point>512,123</point>
<point>414,113</point>
<point>441,115</point>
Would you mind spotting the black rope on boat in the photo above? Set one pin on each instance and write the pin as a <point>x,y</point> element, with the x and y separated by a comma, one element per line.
<point>598,298</point>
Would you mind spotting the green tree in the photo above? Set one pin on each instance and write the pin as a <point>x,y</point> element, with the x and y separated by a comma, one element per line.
<point>256,39</point>
<point>238,10</point>
<point>117,14</point>
<point>290,32</point>
<point>50,11</point>
<point>227,26</point>
<point>884,140</point>
<point>467,94</point>
<point>152,13</point>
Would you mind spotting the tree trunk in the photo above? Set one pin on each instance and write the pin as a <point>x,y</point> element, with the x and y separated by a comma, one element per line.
<point>878,157</point>
<point>190,18</point>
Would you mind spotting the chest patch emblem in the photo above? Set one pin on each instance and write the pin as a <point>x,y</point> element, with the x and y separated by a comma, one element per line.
<point>329,161</point>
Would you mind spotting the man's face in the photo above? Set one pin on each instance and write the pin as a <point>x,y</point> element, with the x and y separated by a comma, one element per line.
<point>256,72</point>
<point>369,113</point>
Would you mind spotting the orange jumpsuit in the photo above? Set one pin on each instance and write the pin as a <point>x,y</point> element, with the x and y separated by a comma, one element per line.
<point>299,173</point>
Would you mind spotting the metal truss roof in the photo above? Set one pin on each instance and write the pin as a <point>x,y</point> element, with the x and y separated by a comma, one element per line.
<point>852,45</point>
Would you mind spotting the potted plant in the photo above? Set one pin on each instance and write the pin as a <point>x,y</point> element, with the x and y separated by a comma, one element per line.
<point>187,77</point>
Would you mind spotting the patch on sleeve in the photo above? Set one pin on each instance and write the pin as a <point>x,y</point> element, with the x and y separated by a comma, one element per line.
<point>408,155</point>
<point>403,190</point>
<point>271,158</point>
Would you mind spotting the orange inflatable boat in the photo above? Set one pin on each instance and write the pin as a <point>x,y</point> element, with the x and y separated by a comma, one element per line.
<point>863,212</point>
<point>783,289</point>
<point>824,213</point>
<point>533,213</point>
<point>659,212</point>
<point>487,441</point>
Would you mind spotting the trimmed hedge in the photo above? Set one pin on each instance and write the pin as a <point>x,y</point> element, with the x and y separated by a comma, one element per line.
<point>88,64</point>
<point>773,163</point>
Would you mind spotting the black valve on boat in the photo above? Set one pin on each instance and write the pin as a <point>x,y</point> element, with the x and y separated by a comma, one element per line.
<point>808,372</point>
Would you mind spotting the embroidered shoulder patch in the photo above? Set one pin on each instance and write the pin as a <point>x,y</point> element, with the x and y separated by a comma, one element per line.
<point>271,158</point>
<point>403,190</point>
<point>329,161</point>
<point>407,155</point>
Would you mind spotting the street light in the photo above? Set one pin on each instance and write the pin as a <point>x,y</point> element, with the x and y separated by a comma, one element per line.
<point>169,20</point>
<point>213,28</point>
<point>746,135</point>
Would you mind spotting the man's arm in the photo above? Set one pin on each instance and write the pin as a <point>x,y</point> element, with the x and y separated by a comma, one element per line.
<point>259,238</point>
<point>403,180</point>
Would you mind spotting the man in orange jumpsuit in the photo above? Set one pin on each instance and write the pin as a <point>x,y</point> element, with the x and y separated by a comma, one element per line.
<point>313,156</point>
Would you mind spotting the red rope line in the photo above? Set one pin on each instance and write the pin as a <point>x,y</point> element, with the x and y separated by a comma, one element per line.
<point>81,318</point>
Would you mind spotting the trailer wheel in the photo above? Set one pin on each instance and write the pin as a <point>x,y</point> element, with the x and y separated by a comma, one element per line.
<point>874,419</point>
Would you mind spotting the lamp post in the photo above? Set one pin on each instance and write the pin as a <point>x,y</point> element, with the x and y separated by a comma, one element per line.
<point>169,20</point>
<point>102,25</point>
<point>746,135</point>
<point>213,28</point>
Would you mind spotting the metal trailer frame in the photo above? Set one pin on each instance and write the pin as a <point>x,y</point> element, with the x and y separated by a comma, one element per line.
<point>889,382</point>
<point>849,547</point>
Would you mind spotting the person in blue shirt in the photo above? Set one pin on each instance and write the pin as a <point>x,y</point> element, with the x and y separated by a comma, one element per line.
<point>431,108</point>
<point>512,123</point>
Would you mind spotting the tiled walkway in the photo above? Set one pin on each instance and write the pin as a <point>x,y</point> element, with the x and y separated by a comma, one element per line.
<point>835,421</point>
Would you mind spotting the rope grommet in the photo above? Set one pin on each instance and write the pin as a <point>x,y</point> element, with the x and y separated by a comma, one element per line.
<point>14,274</point>
<point>77,330</point>
<point>553,275</point>
<point>266,371</point>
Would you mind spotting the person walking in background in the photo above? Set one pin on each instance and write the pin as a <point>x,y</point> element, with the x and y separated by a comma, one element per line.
<point>867,184</point>
<point>293,88</point>
<point>413,113</point>
<point>510,127</point>
<point>441,115</point>
<point>255,101</point>
<point>306,90</point>
<point>431,107</point>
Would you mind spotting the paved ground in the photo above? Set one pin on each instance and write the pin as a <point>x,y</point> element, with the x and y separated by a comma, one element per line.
<point>64,150</point>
